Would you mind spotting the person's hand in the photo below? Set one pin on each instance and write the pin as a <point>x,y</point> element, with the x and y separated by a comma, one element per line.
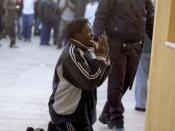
<point>101,46</point>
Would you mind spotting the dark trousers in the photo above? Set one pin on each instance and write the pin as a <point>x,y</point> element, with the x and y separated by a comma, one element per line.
<point>45,34</point>
<point>9,30</point>
<point>71,126</point>
<point>27,26</point>
<point>125,61</point>
<point>19,27</point>
<point>56,30</point>
<point>0,23</point>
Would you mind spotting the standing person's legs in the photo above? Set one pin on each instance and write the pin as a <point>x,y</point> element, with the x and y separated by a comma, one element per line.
<point>0,24</point>
<point>56,30</point>
<point>12,35</point>
<point>0,28</point>
<point>61,36</point>
<point>114,107</point>
<point>19,27</point>
<point>115,87</point>
<point>29,26</point>
<point>120,79</point>
<point>125,63</point>
<point>45,34</point>
<point>25,21</point>
<point>141,81</point>
<point>36,27</point>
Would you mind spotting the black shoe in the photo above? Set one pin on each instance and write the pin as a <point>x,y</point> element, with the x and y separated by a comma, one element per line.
<point>105,120</point>
<point>140,109</point>
<point>30,129</point>
<point>48,44</point>
<point>13,46</point>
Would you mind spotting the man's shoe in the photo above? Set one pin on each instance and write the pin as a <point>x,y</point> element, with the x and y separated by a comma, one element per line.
<point>118,129</point>
<point>30,129</point>
<point>105,120</point>
<point>140,109</point>
<point>13,46</point>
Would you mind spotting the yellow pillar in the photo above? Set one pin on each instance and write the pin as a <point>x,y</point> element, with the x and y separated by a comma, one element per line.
<point>160,115</point>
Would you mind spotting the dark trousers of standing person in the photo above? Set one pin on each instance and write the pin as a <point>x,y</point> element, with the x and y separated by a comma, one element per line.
<point>0,28</point>
<point>19,24</point>
<point>0,23</point>
<point>27,26</point>
<point>125,60</point>
<point>10,31</point>
<point>36,26</point>
<point>45,34</point>
<point>56,30</point>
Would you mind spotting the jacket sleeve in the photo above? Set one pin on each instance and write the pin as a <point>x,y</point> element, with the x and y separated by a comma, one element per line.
<point>150,19</point>
<point>106,72</point>
<point>101,16</point>
<point>82,75</point>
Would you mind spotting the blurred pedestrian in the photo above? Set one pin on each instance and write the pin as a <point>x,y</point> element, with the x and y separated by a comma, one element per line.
<point>1,15</point>
<point>28,15</point>
<point>36,18</point>
<point>10,17</point>
<point>19,23</point>
<point>68,8</point>
<point>141,77</point>
<point>80,8</point>
<point>47,18</point>
<point>57,21</point>
<point>90,10</point>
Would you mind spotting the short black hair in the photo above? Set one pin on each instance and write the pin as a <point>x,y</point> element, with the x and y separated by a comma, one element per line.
<point>75,26</point>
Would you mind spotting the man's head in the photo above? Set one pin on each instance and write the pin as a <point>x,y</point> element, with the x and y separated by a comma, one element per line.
<point>80,30</point>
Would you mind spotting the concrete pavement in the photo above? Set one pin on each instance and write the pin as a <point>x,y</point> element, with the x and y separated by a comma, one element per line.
<point>25,86</point>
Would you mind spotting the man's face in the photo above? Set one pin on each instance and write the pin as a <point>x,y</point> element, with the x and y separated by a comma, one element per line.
<point>86,35</point>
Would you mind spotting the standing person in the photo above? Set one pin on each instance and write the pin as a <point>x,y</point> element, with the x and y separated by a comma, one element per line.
<point>90,10</point>
<point>72,105</point>
<point>47,18</point>
<point>68,8</point>
<point>10,17</point>
<point>36,18</point>
<point>142,76</point>
<point>80,7</point>
<point>57,20</point>
<point>1,14</point>
<point>19,4</point>
<point>28,15</point>
<point>124,22</point>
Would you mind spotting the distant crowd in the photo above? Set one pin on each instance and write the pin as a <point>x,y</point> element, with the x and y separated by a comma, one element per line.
<point>17,17</point>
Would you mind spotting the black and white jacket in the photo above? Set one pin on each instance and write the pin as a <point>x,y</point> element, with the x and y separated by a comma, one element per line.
<point>77,76</point>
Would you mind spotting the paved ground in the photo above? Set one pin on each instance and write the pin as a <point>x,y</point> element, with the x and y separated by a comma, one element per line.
<point>25,86</point>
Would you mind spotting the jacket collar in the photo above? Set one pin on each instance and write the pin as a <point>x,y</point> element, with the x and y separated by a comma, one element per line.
<point>79,44</point>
